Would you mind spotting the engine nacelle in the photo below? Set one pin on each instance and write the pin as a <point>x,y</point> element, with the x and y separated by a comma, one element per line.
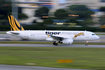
<point>49,39</point>
<point>67,41</point>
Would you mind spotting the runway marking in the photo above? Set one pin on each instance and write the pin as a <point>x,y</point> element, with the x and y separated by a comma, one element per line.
<point>65,61</point>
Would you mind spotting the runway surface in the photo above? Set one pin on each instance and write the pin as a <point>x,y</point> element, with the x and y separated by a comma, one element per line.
<point>15,67</point>
<point>49,45</point>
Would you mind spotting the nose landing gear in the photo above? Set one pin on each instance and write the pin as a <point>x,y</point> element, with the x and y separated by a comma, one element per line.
<point>86,43</point>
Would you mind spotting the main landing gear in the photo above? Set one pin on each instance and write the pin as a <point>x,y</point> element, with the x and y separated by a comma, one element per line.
<point>86,43</point>
<point>55,43</point>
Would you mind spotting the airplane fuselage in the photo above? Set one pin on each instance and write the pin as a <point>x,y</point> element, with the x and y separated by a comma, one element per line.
<point>43,34</point>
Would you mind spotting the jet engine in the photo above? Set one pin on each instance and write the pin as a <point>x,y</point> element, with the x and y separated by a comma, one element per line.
<point>67,41</point>
<point>49,39</point>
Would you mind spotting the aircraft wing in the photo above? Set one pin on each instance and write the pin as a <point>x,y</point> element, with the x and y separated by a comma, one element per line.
<point>62,37</point>
<point>58,38</point>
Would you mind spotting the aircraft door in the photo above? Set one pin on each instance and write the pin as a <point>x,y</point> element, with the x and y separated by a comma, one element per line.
<point>26,36</point>
<point>87,37</point>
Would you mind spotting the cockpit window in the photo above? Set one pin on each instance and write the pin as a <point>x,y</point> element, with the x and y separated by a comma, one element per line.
<point>93,34</point>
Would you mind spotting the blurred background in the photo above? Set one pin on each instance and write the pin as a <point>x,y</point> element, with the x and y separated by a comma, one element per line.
<point>54,14</point>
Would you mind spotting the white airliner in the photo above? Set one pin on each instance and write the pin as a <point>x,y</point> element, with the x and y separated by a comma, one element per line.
<point>64,37</point>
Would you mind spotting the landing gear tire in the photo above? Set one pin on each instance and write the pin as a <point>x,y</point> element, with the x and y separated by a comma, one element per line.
<point>60,42</point>
<point>56,44</point>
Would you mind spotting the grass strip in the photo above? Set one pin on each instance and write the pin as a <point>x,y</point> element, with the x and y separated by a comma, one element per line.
<point>84,58</point>
<point>3,32</point>
<point>100,34</point>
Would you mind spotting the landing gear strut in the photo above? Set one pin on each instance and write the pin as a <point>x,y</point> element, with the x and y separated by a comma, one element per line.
<point>54,43</point>
<point>60,42</point>
<point>86,43</point>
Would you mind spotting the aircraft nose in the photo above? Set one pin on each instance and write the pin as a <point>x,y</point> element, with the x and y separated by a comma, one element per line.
<point>97,37</point>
